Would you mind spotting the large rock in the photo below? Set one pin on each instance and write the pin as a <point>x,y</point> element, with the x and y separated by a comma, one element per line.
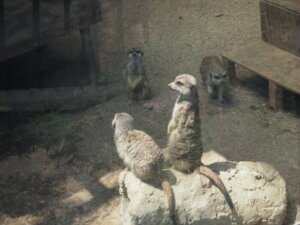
<point>257,190</point>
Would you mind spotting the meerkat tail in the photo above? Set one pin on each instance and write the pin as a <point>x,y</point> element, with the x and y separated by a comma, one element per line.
<point>167,188</point>
<point>204,170</point>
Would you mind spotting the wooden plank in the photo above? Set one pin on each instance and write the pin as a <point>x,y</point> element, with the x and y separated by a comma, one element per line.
<point>280,27</point>
<point>2,25</point>
<point>34,99</point>
<point>275,96</point>
<point>269,62</point>
<point>36,18</point>
<point>290,5</point>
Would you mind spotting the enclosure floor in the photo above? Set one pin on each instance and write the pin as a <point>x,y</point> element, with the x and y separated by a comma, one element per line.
<point>71,178</point>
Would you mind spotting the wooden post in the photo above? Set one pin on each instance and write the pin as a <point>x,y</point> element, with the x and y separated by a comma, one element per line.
<point>229,67</point>
<point>2,25</point>
<point>67,15</point>
<point>89,54</point>
<point>275,96</point>
<point>36,18</point>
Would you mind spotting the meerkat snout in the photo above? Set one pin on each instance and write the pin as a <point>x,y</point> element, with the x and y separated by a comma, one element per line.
<point>122,120</point>
<point>171,86</point>
<point>219,76</point>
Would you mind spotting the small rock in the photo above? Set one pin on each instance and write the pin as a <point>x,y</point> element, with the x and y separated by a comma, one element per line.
<point>252,191</point>
<point>253,107</point>
<point>148,106</point>
<point>156,106</point>
<point>219,15</point>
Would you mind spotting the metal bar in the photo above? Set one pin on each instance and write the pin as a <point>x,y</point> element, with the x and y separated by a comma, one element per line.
<point>89,54</point>
<point>36,17</point>
<point>2,25</point>
<point>67,14</point>
<point>94,8</point>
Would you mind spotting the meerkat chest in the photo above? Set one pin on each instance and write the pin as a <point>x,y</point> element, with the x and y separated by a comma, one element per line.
<point>180,110</point>
<point>135,69</point>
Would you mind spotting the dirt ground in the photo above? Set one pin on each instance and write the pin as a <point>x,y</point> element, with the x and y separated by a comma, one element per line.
<point>61,167</point>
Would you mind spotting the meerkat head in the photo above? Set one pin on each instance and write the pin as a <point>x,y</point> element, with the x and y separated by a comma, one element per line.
<point>185,84</point>
<point>122,121</point>
<point>218,75</point>
<point>135,54</point>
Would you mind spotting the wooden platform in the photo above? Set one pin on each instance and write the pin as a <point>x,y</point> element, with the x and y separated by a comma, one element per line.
<point>279,67</point>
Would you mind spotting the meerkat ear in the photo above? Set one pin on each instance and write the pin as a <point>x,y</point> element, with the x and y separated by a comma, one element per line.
<point>194,89</point>
<point>129,51</point>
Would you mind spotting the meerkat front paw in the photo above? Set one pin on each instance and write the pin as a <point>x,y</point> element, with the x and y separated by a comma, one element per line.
<point>122,188</point>
<point>171,127</point>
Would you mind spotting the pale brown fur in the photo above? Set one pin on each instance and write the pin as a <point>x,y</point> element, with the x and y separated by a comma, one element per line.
<point>184,148</point>
<point>214,76</point>
<point>142,156</point>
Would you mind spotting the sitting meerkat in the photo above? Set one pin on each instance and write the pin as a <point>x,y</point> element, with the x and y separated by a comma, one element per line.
<point>184,148</point>
<point>214,76</point>
<point>137,83</point>
<point>142,156</point>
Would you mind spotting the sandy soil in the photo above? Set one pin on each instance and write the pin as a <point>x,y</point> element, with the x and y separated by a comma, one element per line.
<point>67,166</point>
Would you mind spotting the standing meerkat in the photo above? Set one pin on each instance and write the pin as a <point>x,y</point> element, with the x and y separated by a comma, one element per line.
<point>214,76</point>
<point>184,148</point>
<point>137,83</point>
<point>142,156</point>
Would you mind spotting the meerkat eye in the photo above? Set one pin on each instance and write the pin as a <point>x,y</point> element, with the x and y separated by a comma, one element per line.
<point>216,77</point>
<point>179,83</point>
<point>225,75</point>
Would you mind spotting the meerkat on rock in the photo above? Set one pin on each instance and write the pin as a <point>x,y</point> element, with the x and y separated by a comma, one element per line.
<point>135,75</point>
<point>214,76</point>
<point>184,148</point>
<point>142,156</point>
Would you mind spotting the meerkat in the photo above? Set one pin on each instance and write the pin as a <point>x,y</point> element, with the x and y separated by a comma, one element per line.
<point>214,76</point>
<point>142,156</point>
<point>135,75</point>
<point>184,148</point>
